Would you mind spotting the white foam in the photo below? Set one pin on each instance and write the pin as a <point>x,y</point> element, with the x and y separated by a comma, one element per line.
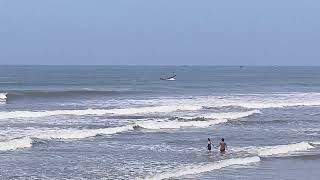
<point>175,124</point>
<point>128,111</point>
<point>166,105</point>
<point>284,149</point>
<point>202,168</point>
<point>278,150</point>
<point>251,101</point>
<point>266,105</point>
<point>66,134</point>
<point>315,143</point>
<point>262,101</point>
<point>3,96</point>
<point>156,109</point>
<point>171,79</point>
<point>227,115</point>
<point>178,124</point>
<point>14,144</point>
<point>80,133</point>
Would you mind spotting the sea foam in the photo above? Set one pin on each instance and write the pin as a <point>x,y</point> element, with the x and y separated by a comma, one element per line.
<point>204,167</point>
<point>80,133</point>
<point>283,149</point>
<point>177,124</point>
<point>14,144</point>
<point>127,111</point>
<point>85,133</point>
<point>217,118</point>
<point>315,143</point>
<point>277,150</point>
<point>3,97</point>
<point>262,101</point>
<point>63,134</point>
<point>226,115</point>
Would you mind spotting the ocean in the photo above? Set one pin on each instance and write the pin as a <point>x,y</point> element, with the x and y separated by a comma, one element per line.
<point>123,122</point>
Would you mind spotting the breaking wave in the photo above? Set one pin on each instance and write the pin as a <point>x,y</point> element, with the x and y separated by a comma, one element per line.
<point>247,101</point>
<point>262,105</point>
<point>178,124</point>
<point>284,149</point>
<point>278,150</point>
<point>3,97</point>
<point>175,124</point>
<point>315,143</point>
<point>227,115</point>
<point>81,133</point>
<point>14,144</point>
<point>85,133</point>
<point>262,101</point>
<point>127,111</point>
<point>204,167</point>
<point>63,134</point>
<point>266,151</point>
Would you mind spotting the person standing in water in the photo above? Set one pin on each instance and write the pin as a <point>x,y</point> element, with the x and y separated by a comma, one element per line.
<point>222,145</point>
<point>209,144</point>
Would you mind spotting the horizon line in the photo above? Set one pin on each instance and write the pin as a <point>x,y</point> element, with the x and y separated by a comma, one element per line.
<point>176,65</point>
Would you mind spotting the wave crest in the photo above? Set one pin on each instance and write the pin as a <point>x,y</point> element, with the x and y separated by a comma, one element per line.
<point>177,124</point>
<point>127,111</point>
<point>64,134</point>
<point>201,168</point>
<point>277,150</point>
<point>284,149</point>
<point>81,133</point>
<point>227,115</point>
<point>14,144</point>
<point>3,97</point>
<point>218,119</point>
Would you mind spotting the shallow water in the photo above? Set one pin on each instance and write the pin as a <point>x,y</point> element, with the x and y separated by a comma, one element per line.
<point>122,122</point>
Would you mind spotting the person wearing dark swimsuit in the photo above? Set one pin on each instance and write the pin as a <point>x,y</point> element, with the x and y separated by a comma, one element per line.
<point>209,144</point>
<point>223,145</point>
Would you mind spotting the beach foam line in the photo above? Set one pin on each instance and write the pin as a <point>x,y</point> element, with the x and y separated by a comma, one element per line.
<point>127,111</point>
<point>202,168</point>
<point>226,115</point>
<point>277,150</point>
<point>14,144</point>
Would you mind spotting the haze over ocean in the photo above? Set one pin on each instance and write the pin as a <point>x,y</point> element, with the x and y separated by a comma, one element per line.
<point>142,32</point>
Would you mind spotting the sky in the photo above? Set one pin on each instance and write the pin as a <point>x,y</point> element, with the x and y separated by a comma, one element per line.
<point>160,32</point>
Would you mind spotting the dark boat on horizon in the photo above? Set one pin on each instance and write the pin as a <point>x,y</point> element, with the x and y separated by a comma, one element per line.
<point>168,78</point>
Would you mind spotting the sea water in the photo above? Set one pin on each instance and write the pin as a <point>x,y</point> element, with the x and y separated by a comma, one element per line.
<point>123,122</point>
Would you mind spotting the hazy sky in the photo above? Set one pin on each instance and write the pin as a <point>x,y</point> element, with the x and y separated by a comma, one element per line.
<point>166,32</point>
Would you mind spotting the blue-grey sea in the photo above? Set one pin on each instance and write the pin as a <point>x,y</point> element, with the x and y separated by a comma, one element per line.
<point>123,122</point>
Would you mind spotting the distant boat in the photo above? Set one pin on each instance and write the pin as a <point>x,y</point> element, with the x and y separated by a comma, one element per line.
<point>169,78</point>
